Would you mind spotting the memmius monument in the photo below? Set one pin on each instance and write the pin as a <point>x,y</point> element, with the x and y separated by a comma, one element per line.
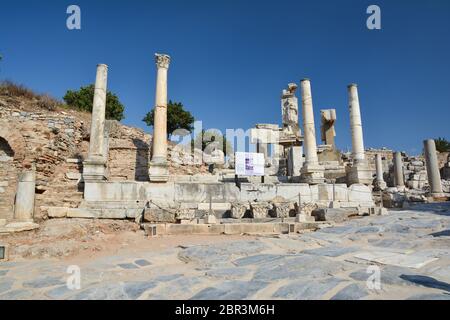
<point>298,186</point>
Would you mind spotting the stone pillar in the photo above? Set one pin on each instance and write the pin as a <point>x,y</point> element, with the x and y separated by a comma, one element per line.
<point>399,179</point>
<point>379,183</point>
<point>24,204</point>
<point>359,171</point>
<point>158,171</point>
<point>355,123</point>
<point>434,177</point>
<point>311,171</point>
<point>94,167</point>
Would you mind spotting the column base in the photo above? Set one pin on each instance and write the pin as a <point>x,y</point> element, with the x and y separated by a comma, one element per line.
<point>359,173</point>
<point>158,172</point>
<point>312,174</point>
<point>94,169</point>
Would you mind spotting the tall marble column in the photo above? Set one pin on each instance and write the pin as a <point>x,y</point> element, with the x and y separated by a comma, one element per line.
<point>94,167</point>
<point>158,171</point>
<point>379,183</point>
<point>359,171</point>
<point>311,171</point>
<point>434,177</point>
<point>399,179</point>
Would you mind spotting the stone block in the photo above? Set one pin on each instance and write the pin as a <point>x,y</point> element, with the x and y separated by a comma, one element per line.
<point>334,215</point>
<point>159,215</point>
<point>57,212</point>
<point>73,175</point>
<point>360,193</point>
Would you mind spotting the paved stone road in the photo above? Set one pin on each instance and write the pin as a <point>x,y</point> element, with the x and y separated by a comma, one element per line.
<point>411,249</point>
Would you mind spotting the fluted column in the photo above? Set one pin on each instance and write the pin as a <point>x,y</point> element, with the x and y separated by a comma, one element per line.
<point>434,177</point>
<point>158,171</point>
<point>94,167</point>
<point>355,123</point>
<point>311,171</point>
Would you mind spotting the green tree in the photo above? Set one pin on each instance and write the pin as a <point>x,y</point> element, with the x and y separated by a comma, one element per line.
<point>177,117</point>
<point>442,145</point>
<point>84,97</point>
<point>206,137</point>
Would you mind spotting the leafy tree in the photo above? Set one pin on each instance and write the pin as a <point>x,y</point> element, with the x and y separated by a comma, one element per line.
<point>177,117</point>
<point>206,137</point>
<point>442,145</point>
<point>84,97</point>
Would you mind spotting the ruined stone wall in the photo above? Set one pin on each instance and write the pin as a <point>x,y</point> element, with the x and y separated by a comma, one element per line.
<point>55,143</point>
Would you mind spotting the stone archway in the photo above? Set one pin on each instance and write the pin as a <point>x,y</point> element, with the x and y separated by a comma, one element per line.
<point>12,141</point>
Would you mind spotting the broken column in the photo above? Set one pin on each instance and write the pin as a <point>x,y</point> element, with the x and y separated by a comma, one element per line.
<point>359,171</point>
<point>379,182</point>
<point>399,178</point>
<point>94,167</point>
<point>158,171</point>
<point>434,177</point>
<point>311,171</point>
<point>24,204</point>
<point>328,118</point>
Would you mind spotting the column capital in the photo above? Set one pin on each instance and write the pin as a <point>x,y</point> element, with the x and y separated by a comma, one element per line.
<point>162,60</point>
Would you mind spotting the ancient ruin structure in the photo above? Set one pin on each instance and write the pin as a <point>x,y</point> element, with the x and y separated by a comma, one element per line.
<point>53,167</point>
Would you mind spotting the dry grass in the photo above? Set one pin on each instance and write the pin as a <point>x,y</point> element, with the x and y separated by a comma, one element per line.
<point>11,89</point>
<point>44,101</point>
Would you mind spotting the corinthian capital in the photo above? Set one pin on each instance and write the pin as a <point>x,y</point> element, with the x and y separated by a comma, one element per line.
<point>162,60</point>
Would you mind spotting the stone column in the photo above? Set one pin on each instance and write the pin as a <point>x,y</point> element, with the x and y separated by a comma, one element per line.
<point>359,172</point>
<point>24,204</point>
<point>355,123</point>
<point>434,177</point>
<point>94,167</point>
<point>399,179</point>
<point>311,171</point>
<point>379,183</point>
<point>158,171</point>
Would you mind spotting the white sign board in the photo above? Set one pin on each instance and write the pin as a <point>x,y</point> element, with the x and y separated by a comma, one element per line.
<point>249,164</point>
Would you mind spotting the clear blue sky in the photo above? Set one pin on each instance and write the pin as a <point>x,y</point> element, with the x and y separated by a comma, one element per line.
<point>231,59</point>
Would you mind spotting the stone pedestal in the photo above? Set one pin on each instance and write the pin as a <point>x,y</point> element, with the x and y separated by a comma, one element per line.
<point>311,171</point>
<point>359,171</point>
<point>94,167</point>
<point>158,170</point>
<point>434,177</point>
<point>24,204</point>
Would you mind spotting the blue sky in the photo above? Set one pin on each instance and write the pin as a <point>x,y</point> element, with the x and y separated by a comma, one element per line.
<point>231,59</point>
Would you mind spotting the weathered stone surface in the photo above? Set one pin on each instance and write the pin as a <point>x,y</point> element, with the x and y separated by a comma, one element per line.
<point>307,290</point>
<point>331,251</point>
<point>334,214</point>
<point>228,273</point>
<point>43,282</point>
<point>231,290</point>
<point>353,291</point>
